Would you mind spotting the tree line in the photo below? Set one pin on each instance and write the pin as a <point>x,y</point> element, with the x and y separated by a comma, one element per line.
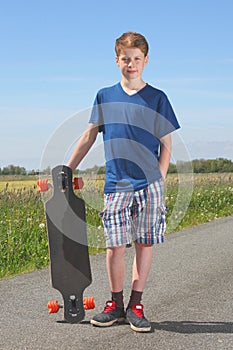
<point>13,170</point>
<point>218,165</point>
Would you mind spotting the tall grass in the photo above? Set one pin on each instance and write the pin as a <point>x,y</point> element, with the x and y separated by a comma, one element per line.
<point>23,240</point>
<point>23,236</point>
<point>212,198</point>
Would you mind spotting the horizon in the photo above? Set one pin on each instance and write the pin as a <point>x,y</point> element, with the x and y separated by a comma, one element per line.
<point>100,166</point>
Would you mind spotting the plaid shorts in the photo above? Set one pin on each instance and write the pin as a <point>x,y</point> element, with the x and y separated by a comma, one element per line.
<point>135,216</point>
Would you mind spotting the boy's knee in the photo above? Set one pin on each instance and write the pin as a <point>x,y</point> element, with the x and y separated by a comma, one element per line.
<point>143,246</point>
<point>116,251</point>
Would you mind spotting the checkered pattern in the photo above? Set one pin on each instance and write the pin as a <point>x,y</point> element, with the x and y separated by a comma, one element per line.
<point>135,216</point>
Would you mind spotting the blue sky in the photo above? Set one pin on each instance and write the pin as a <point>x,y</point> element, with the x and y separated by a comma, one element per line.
<point>56,54</point>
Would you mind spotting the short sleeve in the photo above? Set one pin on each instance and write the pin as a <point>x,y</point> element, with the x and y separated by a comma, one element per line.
<point>165,121</point>
<point>96,113</point>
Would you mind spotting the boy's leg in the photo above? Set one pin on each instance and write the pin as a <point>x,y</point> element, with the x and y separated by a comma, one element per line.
<point>115,263</point>
<point>141,269</point>
<point>141,266</point>
<point>149,219</point>
<point>114,309</point>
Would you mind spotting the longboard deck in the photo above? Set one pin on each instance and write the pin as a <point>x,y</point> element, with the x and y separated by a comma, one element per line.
<point>68,246</point>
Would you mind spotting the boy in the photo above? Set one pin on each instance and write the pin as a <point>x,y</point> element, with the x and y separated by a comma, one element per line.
<point>136,120</point>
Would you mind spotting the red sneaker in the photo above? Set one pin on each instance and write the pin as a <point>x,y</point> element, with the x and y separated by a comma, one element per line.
<point>111,314</point>
<point>137,320</point>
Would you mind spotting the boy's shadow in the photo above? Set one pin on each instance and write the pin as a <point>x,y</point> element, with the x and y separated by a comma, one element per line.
<point>189,327</point>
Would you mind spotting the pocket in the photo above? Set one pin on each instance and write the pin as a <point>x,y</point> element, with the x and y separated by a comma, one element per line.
<point>162,182</point>
<point>161,220</point>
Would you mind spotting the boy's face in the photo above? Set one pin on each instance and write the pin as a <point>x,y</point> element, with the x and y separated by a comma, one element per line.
<point>131,62</point>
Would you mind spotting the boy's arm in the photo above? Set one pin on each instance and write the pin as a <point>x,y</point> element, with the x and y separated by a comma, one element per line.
<point>165,154</point>
<point>83,145</point>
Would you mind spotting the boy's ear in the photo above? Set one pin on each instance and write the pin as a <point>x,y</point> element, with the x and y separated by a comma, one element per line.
<point>146,59</point>
<point>117,60</point>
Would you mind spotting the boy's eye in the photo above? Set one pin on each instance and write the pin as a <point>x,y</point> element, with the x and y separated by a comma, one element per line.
<point>125,59</point>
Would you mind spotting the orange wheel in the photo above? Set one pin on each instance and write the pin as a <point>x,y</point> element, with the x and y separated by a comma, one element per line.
<point>53,306</point>
<point>78,183</point>
<point>88,303</point>
<point>42,185</point>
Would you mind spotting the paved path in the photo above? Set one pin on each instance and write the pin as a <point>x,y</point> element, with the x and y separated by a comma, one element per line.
<point>189,299</point>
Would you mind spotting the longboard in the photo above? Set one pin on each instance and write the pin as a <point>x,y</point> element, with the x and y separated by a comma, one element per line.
<point>68,246</point>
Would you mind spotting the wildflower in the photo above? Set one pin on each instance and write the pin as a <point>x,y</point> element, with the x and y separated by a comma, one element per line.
<point>42,225</point>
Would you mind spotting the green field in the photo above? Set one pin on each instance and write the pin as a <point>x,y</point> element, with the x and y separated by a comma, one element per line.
<point>23,237</point>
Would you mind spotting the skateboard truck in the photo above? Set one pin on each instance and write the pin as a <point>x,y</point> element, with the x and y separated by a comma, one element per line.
<point>44,185</point>
<point>54,306</point>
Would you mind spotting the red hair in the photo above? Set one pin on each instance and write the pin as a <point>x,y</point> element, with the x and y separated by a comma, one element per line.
<point>131,39</point>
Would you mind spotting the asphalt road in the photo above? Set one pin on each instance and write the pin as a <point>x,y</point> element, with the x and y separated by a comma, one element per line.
<point>189,300</point>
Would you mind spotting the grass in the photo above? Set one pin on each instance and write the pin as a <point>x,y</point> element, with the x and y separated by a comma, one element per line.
<point>212,198</point>
<point>23,237</point>
<point>23,241</point>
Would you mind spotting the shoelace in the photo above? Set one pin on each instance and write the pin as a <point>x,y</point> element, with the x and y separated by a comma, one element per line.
<point>138,310</point>
<point>110,305</point>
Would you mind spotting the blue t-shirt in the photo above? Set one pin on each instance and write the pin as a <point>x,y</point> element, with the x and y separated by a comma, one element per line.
<point>132,126</point>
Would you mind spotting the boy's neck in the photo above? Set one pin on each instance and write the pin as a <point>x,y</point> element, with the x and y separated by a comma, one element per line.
<point>132,86</point>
